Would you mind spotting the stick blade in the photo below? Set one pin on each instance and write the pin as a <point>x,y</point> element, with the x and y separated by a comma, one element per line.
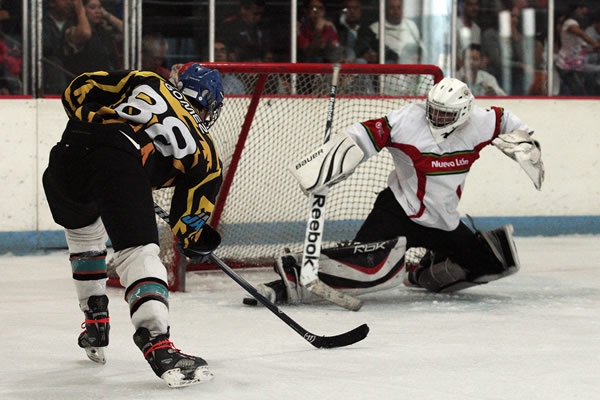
<point>345,339</point>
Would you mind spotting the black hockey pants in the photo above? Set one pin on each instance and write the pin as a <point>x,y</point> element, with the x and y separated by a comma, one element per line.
<point>387,220</point>
<point>95,171</point>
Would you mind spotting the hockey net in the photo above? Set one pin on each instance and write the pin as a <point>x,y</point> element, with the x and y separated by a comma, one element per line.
<point>261,210</point>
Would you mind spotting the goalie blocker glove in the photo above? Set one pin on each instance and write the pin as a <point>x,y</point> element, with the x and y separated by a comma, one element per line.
<point>329,164</point>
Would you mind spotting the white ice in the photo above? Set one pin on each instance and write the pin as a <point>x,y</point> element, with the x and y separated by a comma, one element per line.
<point>535,335</point>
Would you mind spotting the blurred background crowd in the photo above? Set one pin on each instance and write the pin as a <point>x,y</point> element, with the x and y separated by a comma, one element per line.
<point>499,47</point>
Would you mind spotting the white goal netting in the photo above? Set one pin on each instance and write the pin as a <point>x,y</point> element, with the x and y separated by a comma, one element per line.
<point>282,116</point>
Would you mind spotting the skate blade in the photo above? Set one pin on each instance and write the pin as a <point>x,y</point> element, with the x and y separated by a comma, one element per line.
<point>176,379</point>
<point>96,354</point>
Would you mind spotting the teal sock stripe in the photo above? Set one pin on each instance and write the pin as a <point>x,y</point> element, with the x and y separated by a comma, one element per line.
<point>146,290</point>
<point>86,268</point>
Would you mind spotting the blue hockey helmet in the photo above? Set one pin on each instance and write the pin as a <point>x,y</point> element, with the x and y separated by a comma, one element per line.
<point>203,88</point>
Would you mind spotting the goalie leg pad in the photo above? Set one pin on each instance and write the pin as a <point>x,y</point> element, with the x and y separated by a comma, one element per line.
<point>357,269</point>
<point>361,268</point>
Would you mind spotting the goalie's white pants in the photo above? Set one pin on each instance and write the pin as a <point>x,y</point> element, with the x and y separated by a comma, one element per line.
<point>133,264</point>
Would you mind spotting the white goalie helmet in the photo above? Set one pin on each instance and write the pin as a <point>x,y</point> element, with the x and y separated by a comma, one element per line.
<point>449,105</point>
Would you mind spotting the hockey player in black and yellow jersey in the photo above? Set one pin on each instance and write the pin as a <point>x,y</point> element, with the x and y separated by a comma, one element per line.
<point>130,132</point>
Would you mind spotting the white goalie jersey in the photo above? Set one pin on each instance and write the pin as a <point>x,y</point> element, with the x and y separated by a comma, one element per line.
<point>429,178</point>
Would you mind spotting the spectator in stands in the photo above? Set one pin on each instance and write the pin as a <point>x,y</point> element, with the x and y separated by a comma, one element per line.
<point>467,29</point>
<point>154,54</point>
<point>592,58</point>
<point>231,83</point>
<point>58,16</point>
<point>539,84</point>
<point>4,14</point>
<point>571,57</point>
<point>93,43</point>
<point>347,27</point>
<point>480,82</point>
<point>4,87</point>
<point>519,70</point>
<point>593,32</point>
<point>11,61</point>
<point>317,39</point>
<point>402,36</point>
<point>507,54</point>
<point>244,34</point>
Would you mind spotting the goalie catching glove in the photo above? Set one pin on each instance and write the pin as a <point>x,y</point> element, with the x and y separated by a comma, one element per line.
<point>519,146</point>
<point>328,165</point>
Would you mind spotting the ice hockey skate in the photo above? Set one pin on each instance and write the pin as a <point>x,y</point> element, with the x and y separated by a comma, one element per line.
<point>501,243</point>
<point>413,262</point>
<point>285,289</point>
<point>169,363</point>
<point>96,327</point>
<point>444,276</point>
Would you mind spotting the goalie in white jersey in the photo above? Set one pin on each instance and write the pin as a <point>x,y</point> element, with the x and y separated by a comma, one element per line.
<point>433,147</point>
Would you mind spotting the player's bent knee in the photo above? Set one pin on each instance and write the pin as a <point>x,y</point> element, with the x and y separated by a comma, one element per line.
<point>89,238</point>
<point>139,262</point>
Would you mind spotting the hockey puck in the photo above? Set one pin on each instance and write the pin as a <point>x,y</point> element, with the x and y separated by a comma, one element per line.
<point>250,301</point>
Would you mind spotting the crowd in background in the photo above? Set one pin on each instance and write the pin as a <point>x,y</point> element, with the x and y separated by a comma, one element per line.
<point>496,53</point>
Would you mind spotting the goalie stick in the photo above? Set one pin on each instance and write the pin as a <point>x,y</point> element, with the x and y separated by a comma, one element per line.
<point>309,270</point>
<point>345,339</point>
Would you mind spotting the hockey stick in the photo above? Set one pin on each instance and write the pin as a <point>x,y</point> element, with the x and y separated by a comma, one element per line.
<point>327,342</point>
<point>314,229</point>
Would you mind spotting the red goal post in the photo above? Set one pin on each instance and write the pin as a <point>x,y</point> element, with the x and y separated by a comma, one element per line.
<point>281,116</point>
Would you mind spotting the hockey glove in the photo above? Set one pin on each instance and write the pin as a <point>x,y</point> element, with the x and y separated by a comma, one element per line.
<point>331,163</point>
<point>200,244</point>
<point>519,146</point>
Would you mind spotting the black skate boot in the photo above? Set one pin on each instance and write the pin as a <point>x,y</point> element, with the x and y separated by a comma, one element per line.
<point>415,260</point>
<point>96,328</point>
<point>168,363</point>
<point>436,273</point>
<point>275,291</point>
<point>287,289</point>
<point>283,290</point>
<point>501,244</point>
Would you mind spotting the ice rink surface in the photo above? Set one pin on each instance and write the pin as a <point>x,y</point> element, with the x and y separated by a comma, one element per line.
<point>534,335</point>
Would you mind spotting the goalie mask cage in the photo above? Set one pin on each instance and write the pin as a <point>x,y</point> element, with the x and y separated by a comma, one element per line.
<point>261,210</point>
